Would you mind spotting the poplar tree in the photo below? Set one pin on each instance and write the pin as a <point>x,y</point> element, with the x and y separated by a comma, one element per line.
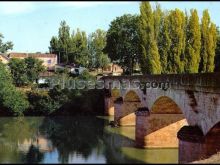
<point>193,43</point>
<point>150,62</point>
<point>164,42</point>
<point>80,53</point>
<point>208,40</point>
<point>217,52</point>
<point>204,35</point>
<point>158,15</point>
<point>212,40</point>
<point>176,28</point>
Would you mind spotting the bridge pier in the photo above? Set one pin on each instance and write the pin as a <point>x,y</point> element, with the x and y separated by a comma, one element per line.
<point>194,146</point>
<point>109,106</point>
<point>157,130</point>
<point>118,104</point>
<point>125,112</point>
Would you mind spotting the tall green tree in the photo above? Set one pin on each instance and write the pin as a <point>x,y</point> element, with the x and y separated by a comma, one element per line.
<point>204,38</point>
<point>217,52</point>
<point>80,53</point>
<point>177,37</point>
<point>150,59</point>
<point>61,44</point>
<point>123,41</point>
<point>97,42</point>
<point>193,44</point>
<point>164,43</point>
<point>208,40</point>
<point>70,48</point>
<point>212,41</point>
<point>158,18</point>
<point>4,47</point>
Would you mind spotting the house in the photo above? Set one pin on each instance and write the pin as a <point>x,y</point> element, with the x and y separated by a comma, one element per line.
<point>4,59</point>
<point>49,60</point>
<point>113,69</point>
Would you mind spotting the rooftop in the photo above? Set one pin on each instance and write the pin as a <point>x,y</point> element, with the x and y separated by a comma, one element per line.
<point>42,55</point>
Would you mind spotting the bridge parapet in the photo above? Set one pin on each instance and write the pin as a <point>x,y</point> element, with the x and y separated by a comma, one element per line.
<point>206,82</point>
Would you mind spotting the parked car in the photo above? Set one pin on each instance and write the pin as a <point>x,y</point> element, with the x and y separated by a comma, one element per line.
<point>77,70</point>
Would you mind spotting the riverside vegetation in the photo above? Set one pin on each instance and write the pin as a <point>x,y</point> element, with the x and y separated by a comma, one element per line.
<point>55,101</point>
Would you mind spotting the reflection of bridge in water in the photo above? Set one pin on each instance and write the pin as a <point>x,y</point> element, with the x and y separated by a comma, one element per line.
<point>186,115</point>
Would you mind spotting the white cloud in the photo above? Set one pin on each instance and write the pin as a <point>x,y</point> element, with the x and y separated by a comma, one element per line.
<point>8,8</point>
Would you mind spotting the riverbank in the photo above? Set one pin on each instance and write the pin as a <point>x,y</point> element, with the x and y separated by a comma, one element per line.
<point>214,159</point>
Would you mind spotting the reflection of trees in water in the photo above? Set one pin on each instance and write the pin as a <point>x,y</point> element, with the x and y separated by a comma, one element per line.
<point>71,135</point>
<point>33,155</point>
<point>14,131</point>
<point>113,151</point>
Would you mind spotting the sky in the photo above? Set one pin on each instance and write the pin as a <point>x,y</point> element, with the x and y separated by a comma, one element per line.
<point>30,25</point>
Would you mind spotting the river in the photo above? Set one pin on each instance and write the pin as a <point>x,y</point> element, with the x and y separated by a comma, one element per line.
<point>76,139</point>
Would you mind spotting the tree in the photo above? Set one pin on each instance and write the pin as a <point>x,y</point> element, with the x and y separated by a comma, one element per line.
<point>103,61</point>
<point>150,62</point>
<point>80,53</point>
<point>177,37</point>
<point>34,68</point>
<point>25,71</point>
<point>212,40</point>
<point>62,43</point>
<point>18,70</point>
<point>11,99</point>
<point>164,43</point>
<point>158,17</point>
<point>97,42</point>
<point>70,48</point>
<point>54,46</point>
<point>208,40</point>
<point>4,47</point>
<point>193,44</point>
<point>217,52</point>
<point>123,41</point>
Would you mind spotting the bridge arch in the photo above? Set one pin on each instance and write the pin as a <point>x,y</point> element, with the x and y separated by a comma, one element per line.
<point>126,108</point>
<point>131,95</point>
<point>160,127</point>
<point>165,105</point>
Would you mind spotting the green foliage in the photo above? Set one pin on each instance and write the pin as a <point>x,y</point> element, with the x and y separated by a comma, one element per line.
<point>34,68</point>
<point>4,47</point>
<point>164,43</point>
<point>97,42</point>
<point>193,44</point>
<point>25,71</point>
<point>123,41</point>
<point>18,71</point>
<point>177,49</point>
<point>217,52</point>
<point>209,40</point>
<point>150,56</point>
<point>177,38</point>
<point>71,48</point>
<point>41,103</point>
<point>80,52</point>
<point>14,101</point>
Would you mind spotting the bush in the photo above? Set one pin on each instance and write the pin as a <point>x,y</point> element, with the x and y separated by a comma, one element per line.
<point>11,100</point>
<point>41,104</point>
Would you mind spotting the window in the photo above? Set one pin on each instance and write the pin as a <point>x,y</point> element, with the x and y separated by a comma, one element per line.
<point>49,61</point>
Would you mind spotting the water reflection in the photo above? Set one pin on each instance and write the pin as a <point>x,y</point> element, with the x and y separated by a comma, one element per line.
<point>74,140</point>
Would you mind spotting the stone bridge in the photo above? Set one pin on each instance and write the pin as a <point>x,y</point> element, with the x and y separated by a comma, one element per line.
<point>164,107</point>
